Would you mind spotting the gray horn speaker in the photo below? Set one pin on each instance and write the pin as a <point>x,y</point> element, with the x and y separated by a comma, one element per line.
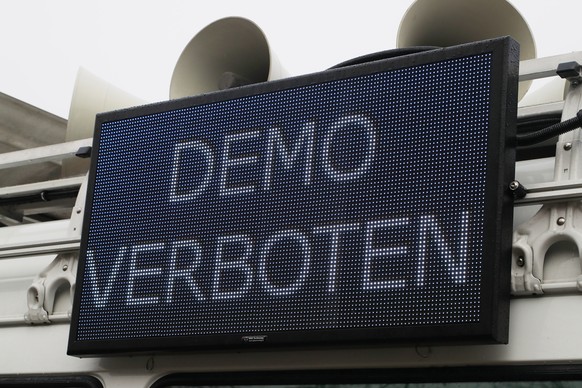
<point>227,53</point>
<point>445,23</point>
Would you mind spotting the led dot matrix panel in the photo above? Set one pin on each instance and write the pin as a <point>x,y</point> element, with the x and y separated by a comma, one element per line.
<point>361,204</point>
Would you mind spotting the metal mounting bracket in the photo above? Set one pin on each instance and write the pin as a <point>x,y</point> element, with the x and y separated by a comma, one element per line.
<point>60,274</point>
<point>555,232</point>
<point>554,224</point>
<point>42,294</point>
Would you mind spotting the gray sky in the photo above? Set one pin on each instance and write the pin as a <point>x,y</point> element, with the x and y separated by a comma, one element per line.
<point>135,44</point>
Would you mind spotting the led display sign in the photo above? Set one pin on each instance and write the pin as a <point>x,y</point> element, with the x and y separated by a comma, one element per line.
<point>356,205</point>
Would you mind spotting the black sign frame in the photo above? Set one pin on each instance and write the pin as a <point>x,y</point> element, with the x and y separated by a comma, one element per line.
<point>494,314</point>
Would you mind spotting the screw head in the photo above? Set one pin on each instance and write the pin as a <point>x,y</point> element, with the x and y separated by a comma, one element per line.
<point>520,261</point>
<point>567,146</point>
<point>561,221</point>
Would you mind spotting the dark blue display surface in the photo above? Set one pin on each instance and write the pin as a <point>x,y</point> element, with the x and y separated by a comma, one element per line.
<point>362,205</point>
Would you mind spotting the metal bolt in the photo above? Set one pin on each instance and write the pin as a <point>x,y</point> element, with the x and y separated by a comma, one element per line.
<point>79,210</point>
<point>517,190</point>
<point>65,267</point>
<point>423,351</point>
<point>561,221</point>
<point>568,146</point>
<point>150,364</point>
<point>520,261</point>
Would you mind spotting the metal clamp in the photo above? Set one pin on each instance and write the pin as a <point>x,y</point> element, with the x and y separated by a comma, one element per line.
<point>552,234</point>
<point>42,295</point>
<point>572,71</point>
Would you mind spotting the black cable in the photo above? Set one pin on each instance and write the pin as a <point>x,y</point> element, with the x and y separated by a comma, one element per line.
<point>387,54</point>
<point>551,131</point>
<point>43,196</point>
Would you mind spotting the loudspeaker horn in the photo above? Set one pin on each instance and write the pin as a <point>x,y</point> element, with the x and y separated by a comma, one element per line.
<point>91,95</point>
<point>227,53</point>
<point>445,23</point>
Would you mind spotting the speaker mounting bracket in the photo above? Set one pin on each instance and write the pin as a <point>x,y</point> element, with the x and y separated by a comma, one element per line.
<point>547,249</point>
